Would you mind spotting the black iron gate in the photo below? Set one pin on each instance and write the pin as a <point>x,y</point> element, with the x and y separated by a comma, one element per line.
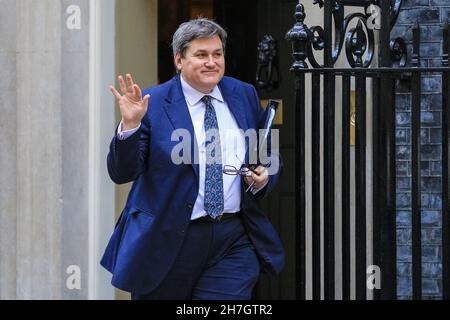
<point>381,210</point>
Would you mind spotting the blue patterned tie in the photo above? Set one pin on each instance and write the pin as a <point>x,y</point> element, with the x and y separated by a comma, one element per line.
<point>213,174</point>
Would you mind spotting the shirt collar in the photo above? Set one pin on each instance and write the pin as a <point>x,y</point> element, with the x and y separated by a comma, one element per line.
<point>193,96</point>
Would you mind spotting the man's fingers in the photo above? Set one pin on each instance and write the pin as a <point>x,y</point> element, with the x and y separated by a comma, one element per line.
<point>256,177</point>
<point>130,83</point>
<point>137,92</point>
<point>261,176</point>
<point>145,100</point>
<point>248,180</point>
<point>115,92</point>
<point>123,87</point>
<point>260,170</point>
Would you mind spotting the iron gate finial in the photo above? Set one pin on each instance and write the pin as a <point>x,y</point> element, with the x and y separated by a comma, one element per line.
<point>300,37</point>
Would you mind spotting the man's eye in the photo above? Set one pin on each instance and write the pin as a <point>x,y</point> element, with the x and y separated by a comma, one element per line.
<point>201,55</point>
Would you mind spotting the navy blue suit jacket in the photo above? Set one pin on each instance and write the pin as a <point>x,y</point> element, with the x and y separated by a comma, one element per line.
<point>152,226</point>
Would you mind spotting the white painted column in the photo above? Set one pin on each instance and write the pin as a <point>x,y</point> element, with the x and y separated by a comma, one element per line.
<point>8,149</point>
<point>56,200</point>
<point>101,128</point>
<point>38,192</point>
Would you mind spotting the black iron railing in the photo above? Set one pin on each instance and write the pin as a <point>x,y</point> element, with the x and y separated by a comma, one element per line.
<point>381,81</point>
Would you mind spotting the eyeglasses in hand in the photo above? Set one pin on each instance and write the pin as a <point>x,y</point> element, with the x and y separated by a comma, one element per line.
<point>233,171</point>
<point>243,171</point>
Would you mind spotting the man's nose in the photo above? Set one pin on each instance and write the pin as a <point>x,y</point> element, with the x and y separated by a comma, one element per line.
<point>210,61</point>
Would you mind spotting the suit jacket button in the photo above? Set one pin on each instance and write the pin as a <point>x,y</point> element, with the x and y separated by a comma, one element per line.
<point>190,205</point>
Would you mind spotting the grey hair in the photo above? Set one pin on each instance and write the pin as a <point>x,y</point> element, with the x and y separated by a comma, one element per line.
<point>195,29</point>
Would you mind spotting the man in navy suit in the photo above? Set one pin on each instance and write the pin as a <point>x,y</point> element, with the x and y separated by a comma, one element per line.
<point>189,230</point>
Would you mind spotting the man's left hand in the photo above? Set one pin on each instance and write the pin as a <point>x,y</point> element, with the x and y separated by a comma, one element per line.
<point>260,177</point>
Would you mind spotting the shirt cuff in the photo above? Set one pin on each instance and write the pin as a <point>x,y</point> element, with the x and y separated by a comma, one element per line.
<point>256,190</point>
<point>122,135</point>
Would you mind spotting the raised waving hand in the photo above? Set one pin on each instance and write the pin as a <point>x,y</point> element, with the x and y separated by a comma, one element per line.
<point>131,103</point>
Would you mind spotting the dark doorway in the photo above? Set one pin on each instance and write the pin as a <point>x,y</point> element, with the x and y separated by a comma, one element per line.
<point>171,13</point>
<point>239,18</point>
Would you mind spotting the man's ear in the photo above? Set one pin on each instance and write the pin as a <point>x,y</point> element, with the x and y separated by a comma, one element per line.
<point>177,62</point>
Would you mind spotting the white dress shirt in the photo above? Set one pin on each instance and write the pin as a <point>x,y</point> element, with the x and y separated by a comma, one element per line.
<point>232,145</point>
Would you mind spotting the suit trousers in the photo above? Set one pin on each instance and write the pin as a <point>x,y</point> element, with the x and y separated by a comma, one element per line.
<point>217,261</point>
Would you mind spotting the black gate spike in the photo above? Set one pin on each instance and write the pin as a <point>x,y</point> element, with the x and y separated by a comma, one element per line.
<point>398,51</point>
<point>357,44</point>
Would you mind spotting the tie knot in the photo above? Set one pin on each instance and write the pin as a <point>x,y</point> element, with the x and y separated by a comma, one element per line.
<point>206,99</point>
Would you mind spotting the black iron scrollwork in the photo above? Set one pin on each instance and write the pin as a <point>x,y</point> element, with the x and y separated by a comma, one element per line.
<point>267,73</point>
<point>356,43</point>
<point>359,41</point>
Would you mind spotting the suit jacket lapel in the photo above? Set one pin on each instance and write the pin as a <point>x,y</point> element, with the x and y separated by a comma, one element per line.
<point>178,113</point>
<point>237,108</point>
<point>234,102</point>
